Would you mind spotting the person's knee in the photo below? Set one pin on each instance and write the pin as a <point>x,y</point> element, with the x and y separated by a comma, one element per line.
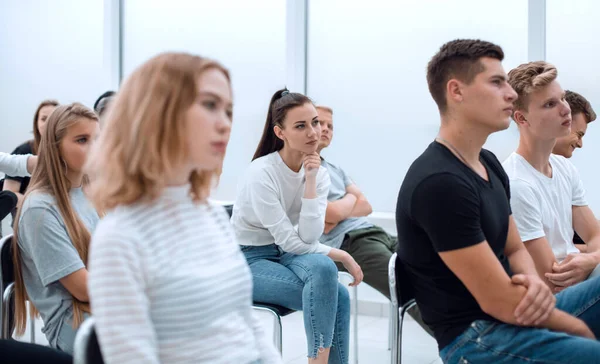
<point>323,268</point>
<point>343,296</point>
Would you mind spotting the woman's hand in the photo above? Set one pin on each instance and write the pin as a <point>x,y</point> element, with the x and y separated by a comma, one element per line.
<point>311,163</point>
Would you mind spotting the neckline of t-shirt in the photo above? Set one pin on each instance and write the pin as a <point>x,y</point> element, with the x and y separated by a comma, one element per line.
<point>535,171</point>
<point>284,167</point>
<point>488,181</point>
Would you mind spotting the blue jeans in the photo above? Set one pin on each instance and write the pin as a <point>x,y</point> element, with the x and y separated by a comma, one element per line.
<point>490,342</point>
<point>308,283</point>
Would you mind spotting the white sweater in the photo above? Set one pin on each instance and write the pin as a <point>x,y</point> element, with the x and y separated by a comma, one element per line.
<point>270,208</point>
<point>14,165</point>
<point>168,284</point>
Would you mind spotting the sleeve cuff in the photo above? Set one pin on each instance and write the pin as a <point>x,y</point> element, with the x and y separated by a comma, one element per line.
<point>322,249</point>
<point>533,235</point>
<point>46,281</point>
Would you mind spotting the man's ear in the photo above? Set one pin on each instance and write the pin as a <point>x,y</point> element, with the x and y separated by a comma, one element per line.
<point>454,91</point>
<point>520,118</point>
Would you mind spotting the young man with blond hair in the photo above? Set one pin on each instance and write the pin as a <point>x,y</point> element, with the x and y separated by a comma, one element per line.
<point>346,225</point>
<point>473,279</point>
<point>547,195</point>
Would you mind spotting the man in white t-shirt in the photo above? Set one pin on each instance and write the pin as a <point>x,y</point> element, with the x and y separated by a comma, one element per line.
<point>547,196</point>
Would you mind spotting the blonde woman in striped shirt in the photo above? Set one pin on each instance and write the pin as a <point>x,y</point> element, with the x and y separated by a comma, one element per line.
<point>168,283</point>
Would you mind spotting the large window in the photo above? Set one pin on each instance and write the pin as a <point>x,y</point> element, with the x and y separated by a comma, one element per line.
<point>247,37</point>
<point>367,61</point>
<point>50,49</point>
<point>572,30</point>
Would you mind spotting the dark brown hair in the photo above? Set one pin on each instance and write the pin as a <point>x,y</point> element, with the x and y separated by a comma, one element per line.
<point>281,102</point>
<point>580,104</point>
<point>458,59</point>
<point>37,137</point>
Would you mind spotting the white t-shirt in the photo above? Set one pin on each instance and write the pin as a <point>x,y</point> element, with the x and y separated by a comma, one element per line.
<point>270,207</point>
<point>542,206</point>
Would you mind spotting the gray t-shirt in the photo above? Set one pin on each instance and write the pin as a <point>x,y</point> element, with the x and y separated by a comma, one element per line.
<point>337,190</point>
<point>48,255</point>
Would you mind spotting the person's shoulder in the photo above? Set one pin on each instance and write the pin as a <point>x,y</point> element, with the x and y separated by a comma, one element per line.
<point>516,167</point>
<point>24,148</point>
<point>563,164</point>
<point>39,199</point>
<point>119,224</point>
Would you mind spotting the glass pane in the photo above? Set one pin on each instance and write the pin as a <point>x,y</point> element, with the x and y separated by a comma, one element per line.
<point>49,50</point>
<point>368,63</point>
<point>247,37</point>
<point>572,30</point>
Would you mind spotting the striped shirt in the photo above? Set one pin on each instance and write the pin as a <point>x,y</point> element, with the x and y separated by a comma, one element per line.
<point>168,284</point>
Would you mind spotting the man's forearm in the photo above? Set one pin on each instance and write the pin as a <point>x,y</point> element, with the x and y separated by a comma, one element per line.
<point>521,262</point>
<point>341,209</point>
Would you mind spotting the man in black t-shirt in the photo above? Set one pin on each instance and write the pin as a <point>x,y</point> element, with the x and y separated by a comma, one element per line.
<point>474,281</point>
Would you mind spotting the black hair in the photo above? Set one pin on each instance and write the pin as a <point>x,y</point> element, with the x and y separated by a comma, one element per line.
<point>282,101</point>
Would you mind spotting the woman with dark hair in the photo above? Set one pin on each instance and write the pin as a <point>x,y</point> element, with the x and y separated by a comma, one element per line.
<point>278,218</point>
<point>101,104</point>
<point>17,184</point>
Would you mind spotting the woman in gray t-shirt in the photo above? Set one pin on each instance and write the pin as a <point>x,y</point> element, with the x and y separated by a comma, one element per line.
<point>52,229</point>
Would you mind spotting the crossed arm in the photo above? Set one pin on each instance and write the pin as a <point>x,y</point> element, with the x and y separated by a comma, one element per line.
<point>353,204</point>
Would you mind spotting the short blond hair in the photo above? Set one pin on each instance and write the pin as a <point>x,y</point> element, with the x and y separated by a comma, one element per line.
<point>528,78</point>
<point>325,108</point>
<point>142,141</point>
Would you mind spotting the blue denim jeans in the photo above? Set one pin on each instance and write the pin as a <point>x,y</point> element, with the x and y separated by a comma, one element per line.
<point>308,283</point>
<point>490,342</point>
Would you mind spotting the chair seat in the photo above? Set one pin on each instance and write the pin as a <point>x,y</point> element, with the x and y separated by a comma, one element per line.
<point>280,310</point>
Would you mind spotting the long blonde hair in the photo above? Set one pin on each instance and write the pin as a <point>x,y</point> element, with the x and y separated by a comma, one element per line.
<point>142,140</point>
<point>50,177</point>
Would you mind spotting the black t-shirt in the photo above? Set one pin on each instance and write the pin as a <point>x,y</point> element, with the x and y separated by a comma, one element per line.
<point>444,205</point>
<point>24,148</point>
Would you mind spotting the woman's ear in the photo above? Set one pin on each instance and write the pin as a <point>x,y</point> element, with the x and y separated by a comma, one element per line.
<point>279,132</point>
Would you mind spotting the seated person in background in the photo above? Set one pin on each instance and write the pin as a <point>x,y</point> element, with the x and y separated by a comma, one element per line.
<point>547,195</point>
<point>103,102</point>
<point>346,225</point>
<point>167,279</point>
<point>582,114</point>
<point>473,279</point>
<point>52,229</point>
<point>17,184</point>
<point>15,165</point>
<point>278,217</point>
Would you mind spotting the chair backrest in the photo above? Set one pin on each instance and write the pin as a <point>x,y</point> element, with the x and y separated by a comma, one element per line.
<point>229,209</point>
<point>7,273</point>
<point>401,290</point>
<point>8,312</point>
<point>86,349</point>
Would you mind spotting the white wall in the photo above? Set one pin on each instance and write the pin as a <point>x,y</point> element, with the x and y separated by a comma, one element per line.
<point>573,46</point>
<point>368,63</point>
<point>49,49</point>
<point>247,37</point>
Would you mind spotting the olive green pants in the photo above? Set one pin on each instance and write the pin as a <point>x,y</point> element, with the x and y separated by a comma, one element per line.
<point>372,249</point>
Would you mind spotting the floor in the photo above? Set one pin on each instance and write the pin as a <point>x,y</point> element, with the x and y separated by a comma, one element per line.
<point>419,347</point>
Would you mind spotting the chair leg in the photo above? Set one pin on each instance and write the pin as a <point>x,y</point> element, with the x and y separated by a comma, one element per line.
<point>355,331</point>
<point>395,318</point>
<point>391,327</point>
<point>278,334</point>
<point>32,329</point>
